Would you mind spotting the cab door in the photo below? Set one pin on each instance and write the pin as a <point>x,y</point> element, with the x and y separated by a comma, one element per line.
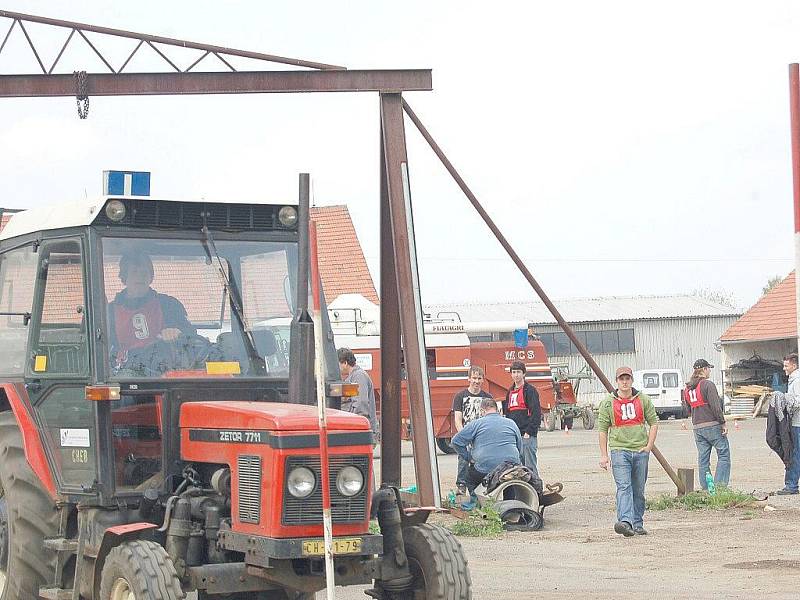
<point>57,370</point>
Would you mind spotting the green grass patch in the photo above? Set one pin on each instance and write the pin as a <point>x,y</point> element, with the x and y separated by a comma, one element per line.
<point>480,522</point>
<point>374,527</point>
<point>724,498</point>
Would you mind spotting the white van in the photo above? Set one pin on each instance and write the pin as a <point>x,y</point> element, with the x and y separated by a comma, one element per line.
<point>665,387</point>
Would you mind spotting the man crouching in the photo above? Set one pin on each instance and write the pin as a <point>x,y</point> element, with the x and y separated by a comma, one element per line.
<point>486,443</point>
<point>622,422</point>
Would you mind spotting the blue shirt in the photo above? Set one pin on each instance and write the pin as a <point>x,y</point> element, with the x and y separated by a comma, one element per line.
<point>493,438</point>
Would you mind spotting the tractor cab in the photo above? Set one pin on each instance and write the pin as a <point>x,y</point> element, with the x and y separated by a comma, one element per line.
<point>156,376</point>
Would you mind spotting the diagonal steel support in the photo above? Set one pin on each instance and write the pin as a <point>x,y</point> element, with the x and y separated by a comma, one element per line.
<point>528,276</point>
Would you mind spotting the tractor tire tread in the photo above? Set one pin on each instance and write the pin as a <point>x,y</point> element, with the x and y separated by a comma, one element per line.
<point>32,514</point>
<point>151,571</point>
<point>446,556</point>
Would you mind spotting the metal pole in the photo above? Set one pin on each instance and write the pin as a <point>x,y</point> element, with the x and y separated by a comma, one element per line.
<point>319,363</point>
<point>391,392</point>
<point>419,400</point>
<point>527,274</point>
<point>794,106</point>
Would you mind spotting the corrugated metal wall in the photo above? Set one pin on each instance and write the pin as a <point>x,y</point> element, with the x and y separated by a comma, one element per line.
<point>663,343</point>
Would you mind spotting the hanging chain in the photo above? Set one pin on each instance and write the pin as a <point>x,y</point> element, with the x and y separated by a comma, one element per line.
<point>81,93</point>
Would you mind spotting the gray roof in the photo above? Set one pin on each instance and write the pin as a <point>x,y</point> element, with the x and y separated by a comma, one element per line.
<point>587,310</point>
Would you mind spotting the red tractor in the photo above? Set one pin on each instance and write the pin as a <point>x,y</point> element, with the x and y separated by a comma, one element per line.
<point>156,436</point>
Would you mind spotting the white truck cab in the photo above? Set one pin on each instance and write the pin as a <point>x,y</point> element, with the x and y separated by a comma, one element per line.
<point>664,386</point>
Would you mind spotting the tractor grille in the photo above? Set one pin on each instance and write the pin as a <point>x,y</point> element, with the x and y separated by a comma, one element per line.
<point>249,469</point>
<point>308,511</point>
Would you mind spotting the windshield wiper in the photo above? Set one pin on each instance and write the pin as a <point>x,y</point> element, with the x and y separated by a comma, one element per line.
<point>235,299</point>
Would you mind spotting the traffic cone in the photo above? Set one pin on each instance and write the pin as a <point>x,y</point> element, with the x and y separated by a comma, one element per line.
<point>683,425</point>
<point>566,429</point>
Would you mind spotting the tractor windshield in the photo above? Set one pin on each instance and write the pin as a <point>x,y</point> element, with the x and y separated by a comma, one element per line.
<point>198,308</point>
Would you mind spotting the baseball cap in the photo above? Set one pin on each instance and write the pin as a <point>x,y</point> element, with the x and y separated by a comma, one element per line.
<point>702,363</point>
<point>624,371</point>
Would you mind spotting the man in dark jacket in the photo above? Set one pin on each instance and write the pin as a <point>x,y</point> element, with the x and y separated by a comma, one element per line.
<point>703,402</point>
<point>522,406</point>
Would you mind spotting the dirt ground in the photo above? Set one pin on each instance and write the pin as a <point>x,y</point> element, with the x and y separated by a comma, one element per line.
<point>741,553</point>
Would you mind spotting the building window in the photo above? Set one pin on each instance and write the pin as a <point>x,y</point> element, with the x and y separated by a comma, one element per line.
<point>606,341</point>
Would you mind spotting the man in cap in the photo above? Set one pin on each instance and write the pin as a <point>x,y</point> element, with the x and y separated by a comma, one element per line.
<point>623,423</point>
<point>708,422</point>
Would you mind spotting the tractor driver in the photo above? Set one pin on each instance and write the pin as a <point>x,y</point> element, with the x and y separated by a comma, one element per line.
<point>139,316</point>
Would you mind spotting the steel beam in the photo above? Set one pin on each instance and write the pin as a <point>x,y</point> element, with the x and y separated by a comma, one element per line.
<point>419,399</point>
<point>391,393</point>
<point>155,84</point>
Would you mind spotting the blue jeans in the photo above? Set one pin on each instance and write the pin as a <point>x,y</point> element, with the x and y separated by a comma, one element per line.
<point>463,467</point>
<point>630,475</point>
<point>707,438</point>
<point>793,470</point>
<point>529,446</point>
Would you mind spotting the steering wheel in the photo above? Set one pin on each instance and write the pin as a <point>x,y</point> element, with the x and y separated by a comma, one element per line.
<point>187,351</point>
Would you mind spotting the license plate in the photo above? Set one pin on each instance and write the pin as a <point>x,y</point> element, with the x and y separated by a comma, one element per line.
<point>340,546</point>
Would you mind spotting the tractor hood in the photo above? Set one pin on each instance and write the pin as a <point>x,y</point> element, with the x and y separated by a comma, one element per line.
<point>269,416</point>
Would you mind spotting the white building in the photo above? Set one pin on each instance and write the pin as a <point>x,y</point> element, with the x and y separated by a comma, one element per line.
<point>643,332</point>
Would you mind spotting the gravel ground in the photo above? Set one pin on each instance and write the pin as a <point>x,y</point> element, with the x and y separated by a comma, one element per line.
<point>738,553</point>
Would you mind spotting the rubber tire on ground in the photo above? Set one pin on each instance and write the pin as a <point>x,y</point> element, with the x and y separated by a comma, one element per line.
<point>438,563</point>
<point>444,445</point>
<point>147,569</point>
<point>663,416</point>
<point>567,422</point>
<point>588,419</point>
<point>271,595</point>
<point>32,517</point>
<point>552,420</point>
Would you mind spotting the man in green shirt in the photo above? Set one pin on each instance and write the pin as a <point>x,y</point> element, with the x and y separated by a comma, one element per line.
<point>623,424</point>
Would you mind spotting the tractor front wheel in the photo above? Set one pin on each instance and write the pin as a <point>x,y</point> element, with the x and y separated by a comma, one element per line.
<point>139,570</point>
<point>437,564</point>
<point>27,516</point>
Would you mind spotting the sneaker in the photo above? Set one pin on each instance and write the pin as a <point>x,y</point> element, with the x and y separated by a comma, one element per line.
<point>786,492</point>
<point>640,530</point>
<point>461,490</point>
<point>623,528</point>
<point>473,501</point>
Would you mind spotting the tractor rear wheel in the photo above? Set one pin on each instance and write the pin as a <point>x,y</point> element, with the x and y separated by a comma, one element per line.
<point>588,418</point>
<point>437,564</point>
<point>27,516</point>
<point>139,570</point>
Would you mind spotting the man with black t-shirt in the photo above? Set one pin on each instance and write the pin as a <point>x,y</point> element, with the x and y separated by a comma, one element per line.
<point>522,406</point>
<point>467,408</point>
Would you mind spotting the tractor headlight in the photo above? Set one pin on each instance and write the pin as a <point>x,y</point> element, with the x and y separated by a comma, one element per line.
<point>115,210</point>
<point>288,216</point>
<point>349,481</point>
<point>301,482</point>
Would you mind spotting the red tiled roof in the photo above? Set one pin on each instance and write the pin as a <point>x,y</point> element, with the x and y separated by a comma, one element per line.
<point>342,265</point>
<point>773,317</point>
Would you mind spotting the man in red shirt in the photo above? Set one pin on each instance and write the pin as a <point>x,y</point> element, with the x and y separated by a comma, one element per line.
<point>139,316</point>
<point>522,406</point>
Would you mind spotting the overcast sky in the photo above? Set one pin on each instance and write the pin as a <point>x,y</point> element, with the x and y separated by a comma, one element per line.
<point>624,148</point>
